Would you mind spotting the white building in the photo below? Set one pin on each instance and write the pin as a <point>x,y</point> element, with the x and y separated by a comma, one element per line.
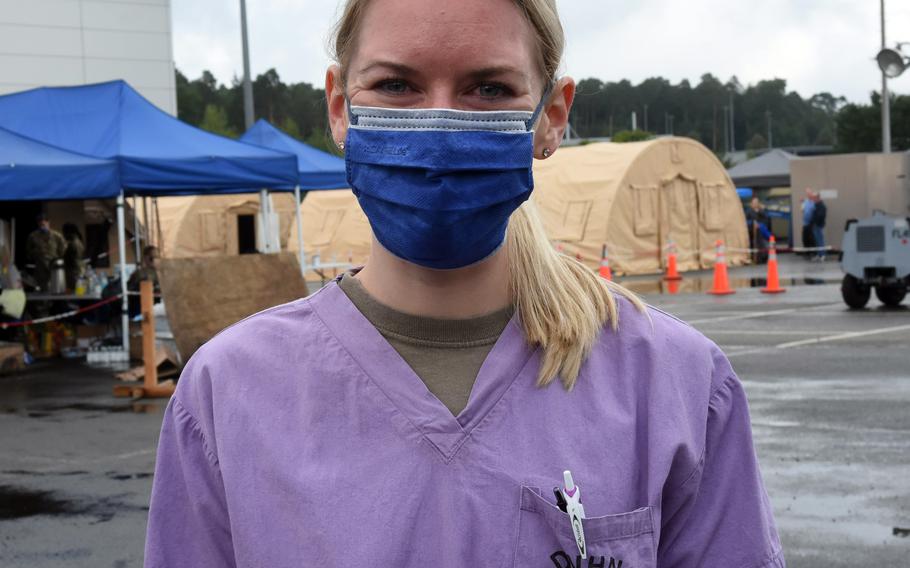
<point>74,42</point>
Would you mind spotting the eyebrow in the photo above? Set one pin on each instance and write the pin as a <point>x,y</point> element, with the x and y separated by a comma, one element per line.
<point>477,74</point>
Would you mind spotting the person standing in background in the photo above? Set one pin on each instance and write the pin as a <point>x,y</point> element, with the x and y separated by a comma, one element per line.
<point>758,222</point>
<point>819,217</point>
<point>147,270</point>
<point>808,209</point>
<point>43,247</point>
<point>72,257</point>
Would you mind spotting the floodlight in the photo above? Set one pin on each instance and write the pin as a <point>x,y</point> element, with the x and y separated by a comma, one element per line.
<point>892,62</point>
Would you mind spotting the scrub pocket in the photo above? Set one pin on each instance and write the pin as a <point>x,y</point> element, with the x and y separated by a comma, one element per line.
<point>545,537</point>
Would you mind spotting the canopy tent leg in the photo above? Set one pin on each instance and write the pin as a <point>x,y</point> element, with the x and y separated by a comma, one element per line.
<point>302,254</point>
<point>159,234</point>
<point>124,303</point>
<point>12,242</point>
<point>145,220</point>
<point>136,238</point>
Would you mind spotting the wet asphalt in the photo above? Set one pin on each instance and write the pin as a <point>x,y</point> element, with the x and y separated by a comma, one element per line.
<point>829,392</point>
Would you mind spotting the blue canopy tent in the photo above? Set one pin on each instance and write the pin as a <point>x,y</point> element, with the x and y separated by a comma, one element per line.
<point>31,170</point>
<point>315,169</point>
<point>157,154</point>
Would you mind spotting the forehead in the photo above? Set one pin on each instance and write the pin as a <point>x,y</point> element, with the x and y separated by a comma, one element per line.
<point>446,36</point>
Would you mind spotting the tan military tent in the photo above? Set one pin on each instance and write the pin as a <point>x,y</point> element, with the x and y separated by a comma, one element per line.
<point>335,229</point>
<point>208,225</point>
<point>630,197</point>
<point>633,198</point>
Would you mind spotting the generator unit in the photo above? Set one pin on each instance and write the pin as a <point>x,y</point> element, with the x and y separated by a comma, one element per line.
<point>876,254</point>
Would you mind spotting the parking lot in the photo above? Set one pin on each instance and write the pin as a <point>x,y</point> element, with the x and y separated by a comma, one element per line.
<point>829,391</point>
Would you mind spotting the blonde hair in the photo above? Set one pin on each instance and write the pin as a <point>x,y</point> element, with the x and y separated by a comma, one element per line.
<point>561,304</point>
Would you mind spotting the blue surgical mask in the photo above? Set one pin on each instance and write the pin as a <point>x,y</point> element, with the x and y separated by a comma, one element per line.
<point>439,185</point>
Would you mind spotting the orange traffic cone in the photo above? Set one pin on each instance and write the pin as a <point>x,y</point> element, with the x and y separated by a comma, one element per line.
<point>773,286</point>
<point>672,271</point>
<point>605,271</point>
<point>721,280</point>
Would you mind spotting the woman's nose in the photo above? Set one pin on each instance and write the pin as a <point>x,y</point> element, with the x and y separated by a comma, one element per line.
<point>441,96</point>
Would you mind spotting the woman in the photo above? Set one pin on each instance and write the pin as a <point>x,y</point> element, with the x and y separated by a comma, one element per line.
<point>401,416</point>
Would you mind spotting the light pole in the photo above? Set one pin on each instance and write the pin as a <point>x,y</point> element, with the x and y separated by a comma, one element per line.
<point>893,63</point>
<point>886,100</point>
<point>770,134</point>
<point>247,82</point>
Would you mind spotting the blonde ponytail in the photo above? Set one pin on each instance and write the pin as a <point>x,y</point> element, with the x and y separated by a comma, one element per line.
<point>561,304</point>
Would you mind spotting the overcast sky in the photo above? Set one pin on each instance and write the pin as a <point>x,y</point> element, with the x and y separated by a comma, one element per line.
<point>816,45</point>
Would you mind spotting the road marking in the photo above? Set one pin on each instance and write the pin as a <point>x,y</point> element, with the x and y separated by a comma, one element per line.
<point>817,340</point>
<point>770,332</point>
<point>842,336</point>
<point>753,315</point>
<point>59,463</point>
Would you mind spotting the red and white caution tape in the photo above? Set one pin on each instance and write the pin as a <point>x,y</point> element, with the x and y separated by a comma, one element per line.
<point>69,314</point>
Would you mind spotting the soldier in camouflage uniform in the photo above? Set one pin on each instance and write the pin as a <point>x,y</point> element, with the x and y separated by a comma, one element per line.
<point>43,247</point>
<point>72,258</point>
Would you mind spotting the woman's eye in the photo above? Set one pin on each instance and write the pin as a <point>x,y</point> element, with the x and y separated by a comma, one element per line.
<point>393,87</point>
<point>492,91</point>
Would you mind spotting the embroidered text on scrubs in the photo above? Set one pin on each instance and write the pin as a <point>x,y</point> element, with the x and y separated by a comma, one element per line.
<point>562,560</point>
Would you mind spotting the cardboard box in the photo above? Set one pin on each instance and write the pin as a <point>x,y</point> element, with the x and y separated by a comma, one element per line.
<point>12,357</point>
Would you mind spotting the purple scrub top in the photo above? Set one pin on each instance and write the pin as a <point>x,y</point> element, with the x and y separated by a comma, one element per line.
<point>299,437</point>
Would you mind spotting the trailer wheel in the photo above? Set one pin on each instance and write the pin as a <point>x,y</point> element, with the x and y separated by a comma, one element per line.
<point>855,293</point>
<point>891,295</point>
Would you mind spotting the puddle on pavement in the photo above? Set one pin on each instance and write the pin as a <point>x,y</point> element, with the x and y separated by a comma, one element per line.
<point>20,502</point>
<point>126,476</point>
<point>17,503</point>
<point>701,284</point>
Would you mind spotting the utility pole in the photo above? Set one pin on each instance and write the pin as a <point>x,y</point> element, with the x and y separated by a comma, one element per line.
<point>726,128</point>
<point>634,121</point>
<point>247,82</point>
<point>886,100</point>
<point>732,122</point>
<point>770,134</point>
<point>714,129</point>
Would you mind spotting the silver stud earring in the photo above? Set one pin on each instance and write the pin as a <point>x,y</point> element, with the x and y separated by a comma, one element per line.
<point>341,145</point>
<point>546,152</point>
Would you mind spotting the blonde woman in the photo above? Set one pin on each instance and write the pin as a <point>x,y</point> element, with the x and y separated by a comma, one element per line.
<point>468,398</point>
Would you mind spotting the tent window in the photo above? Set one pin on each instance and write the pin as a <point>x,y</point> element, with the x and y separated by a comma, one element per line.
<point>246,234</point>
<point>331,220</point>
<point>575,220</point>
<point>710,206</point>
<point>210,226</point>
<point>645,202</point>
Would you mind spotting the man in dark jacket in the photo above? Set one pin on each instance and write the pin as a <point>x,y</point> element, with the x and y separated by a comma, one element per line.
<point>819,216</point>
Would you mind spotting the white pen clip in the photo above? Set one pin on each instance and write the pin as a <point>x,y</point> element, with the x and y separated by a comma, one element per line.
<point>575,510</point>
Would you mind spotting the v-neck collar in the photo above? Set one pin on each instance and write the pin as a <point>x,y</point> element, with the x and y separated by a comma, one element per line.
<point>407,391</point>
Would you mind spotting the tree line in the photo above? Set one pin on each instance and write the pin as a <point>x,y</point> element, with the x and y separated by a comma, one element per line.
<point>763,114</point>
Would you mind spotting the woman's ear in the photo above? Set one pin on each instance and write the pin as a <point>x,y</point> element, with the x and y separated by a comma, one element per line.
<point>337,105</point>
<point>554,118</point>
